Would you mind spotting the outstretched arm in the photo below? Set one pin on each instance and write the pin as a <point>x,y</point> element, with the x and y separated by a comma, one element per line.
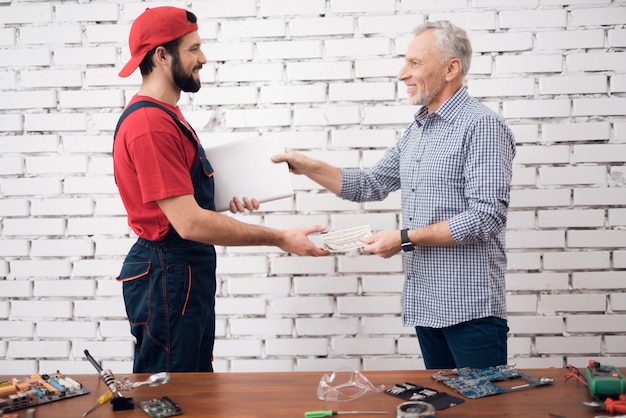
<point>197,224</point>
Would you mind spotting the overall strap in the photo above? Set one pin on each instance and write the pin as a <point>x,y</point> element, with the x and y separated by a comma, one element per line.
<point>146,103</point>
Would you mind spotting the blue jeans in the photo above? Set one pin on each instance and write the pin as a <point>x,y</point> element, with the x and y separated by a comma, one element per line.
<point>169,293</point>
<point>478,343</point>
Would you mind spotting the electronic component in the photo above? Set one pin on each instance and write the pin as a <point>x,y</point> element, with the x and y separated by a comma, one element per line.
<point>477,383</point>
<point>37,390</point>
<point>604,381</point>
<point>160,408</point>
<point>415,393</point>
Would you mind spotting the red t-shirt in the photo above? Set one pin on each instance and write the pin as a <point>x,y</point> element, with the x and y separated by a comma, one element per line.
<point>152,160</point>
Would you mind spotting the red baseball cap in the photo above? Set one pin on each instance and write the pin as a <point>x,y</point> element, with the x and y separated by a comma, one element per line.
<point>154,27</point>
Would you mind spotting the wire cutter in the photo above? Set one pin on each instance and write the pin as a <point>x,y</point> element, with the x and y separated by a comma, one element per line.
<point>609,405</point>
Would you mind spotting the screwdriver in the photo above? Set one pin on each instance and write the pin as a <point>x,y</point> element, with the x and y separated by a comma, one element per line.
<point>101,400</point>
<point>329,413</point>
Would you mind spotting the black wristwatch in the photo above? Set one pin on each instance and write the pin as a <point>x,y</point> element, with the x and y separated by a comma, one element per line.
<point>406,244</point>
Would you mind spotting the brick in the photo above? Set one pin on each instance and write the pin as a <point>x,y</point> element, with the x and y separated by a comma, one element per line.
<point>501,87</point>
<point>614,343</point>
<point>601,106</point>
<point>311,285</point>
<point>61,248</point>
<point>227,51</point>
<point>62,206</point>
<point>250,72</point>
<point>521,303</point>
<point>225,8</point>
<point>10,123</point>
<point>38,349</point>
<point>598,280</point>
<point>537,281</point>
<point>617,302</point>
<point>14,207</point>
<point>87,12</point>
<point>383,67</point>
<point>113,247</point>
<point>26,14</point>
<point>573,303</point>
<point>596,239</point>
<point>520,220</point>
<point>258,286</point>
<point>573,85</point>
<point>412,5</point>
<point>367,305</point>
<point>114,329</point>
<point>588,131</point>
<point>539,198</point>
<point>326,326</point>
<point>519,346</point>
<point>319,70</point>
<point>315,26</point>
<point>550,176</point>
<point>617,217</point>
<point>386,115</point>
<point>64,288</point>
<point>598,16</point>
<point>257,117</point>
<point>56,164</point>
<point>573,218</point>
<point>253,28</point>
<point>536,325</point>
<point>528,133</point>
<point>237,348</point>
<point>539,18</point>
<point>11,166</point>
<point>16,288</point>
<point>369,264</point>
<point>470,21</point>
<point>567,345</point>
<point>55,122</point>
<point>293,94</point>
<point>103,32</point>
<point>536,108</point>
<point>596,323</point>
<point>376,325</point>
<point>16,329</point>
<point>538,154</point>
<point>261,327</point>
<point>618,83</point>
<point>617,38</point>
<point>226,95</point>
<point>330,115</point>
<point>571,39</point>
<point>535,239</point>
<point>264,365</point>
<point>361,91</point>
<point>297,347</point>
<point>384,283</point>
<point>595,61</point>
<point>356,6</point>
<point>302,305</point>
<point>51,34</point>
<point>502,42</point>
<point>95,268</point>
<point>40,268</point>
<point>357,47</point>
<point>99,308</point>
<point>89,185</point>
<point>29,226</point>
<point>401,24</point>
<point>103,349</point>
<point>544,63</point>
<point>576,260</point>
<point>600,196</point>
<point>91,99</point>
<point>280,8</point>
<point>363,346</point>
<point>41,309</point>
<point>70,329</point>
<point>26,99</point>
<point>363,138</point>
<point>240,306</point>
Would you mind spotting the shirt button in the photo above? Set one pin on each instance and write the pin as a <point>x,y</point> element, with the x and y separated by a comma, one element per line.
<point>170,269</point>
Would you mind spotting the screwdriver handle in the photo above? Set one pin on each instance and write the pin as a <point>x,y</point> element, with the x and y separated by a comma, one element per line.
<point>319,414</point>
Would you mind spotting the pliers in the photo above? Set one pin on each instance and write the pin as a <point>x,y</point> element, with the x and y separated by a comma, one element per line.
<point>609,405</point>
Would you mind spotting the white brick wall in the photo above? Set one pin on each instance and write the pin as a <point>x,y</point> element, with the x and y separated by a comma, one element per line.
<point>321,74</point>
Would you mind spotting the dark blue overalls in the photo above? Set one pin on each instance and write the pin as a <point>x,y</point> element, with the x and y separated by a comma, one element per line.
<point>169,287</point>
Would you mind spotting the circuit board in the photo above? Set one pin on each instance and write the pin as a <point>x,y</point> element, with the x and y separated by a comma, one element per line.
<point>477,383</point>
<point>36,390</point>
<point>160,408</point>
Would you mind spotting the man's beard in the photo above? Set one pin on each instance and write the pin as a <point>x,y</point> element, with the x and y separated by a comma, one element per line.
<point>184,81</point>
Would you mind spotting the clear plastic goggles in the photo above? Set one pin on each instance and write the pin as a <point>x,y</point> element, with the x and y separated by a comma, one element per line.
<point>345,384</point>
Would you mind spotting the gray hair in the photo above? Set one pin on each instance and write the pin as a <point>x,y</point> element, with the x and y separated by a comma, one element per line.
<point>452,41</point>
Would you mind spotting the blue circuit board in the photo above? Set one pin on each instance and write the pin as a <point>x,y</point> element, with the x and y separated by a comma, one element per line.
<point>478,383</point>
<point>36,390</point>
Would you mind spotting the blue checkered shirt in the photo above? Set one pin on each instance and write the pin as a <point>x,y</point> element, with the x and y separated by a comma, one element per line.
<point>453,164</point>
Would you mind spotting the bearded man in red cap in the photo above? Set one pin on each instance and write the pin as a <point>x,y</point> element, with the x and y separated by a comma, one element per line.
<point>166,184</point>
